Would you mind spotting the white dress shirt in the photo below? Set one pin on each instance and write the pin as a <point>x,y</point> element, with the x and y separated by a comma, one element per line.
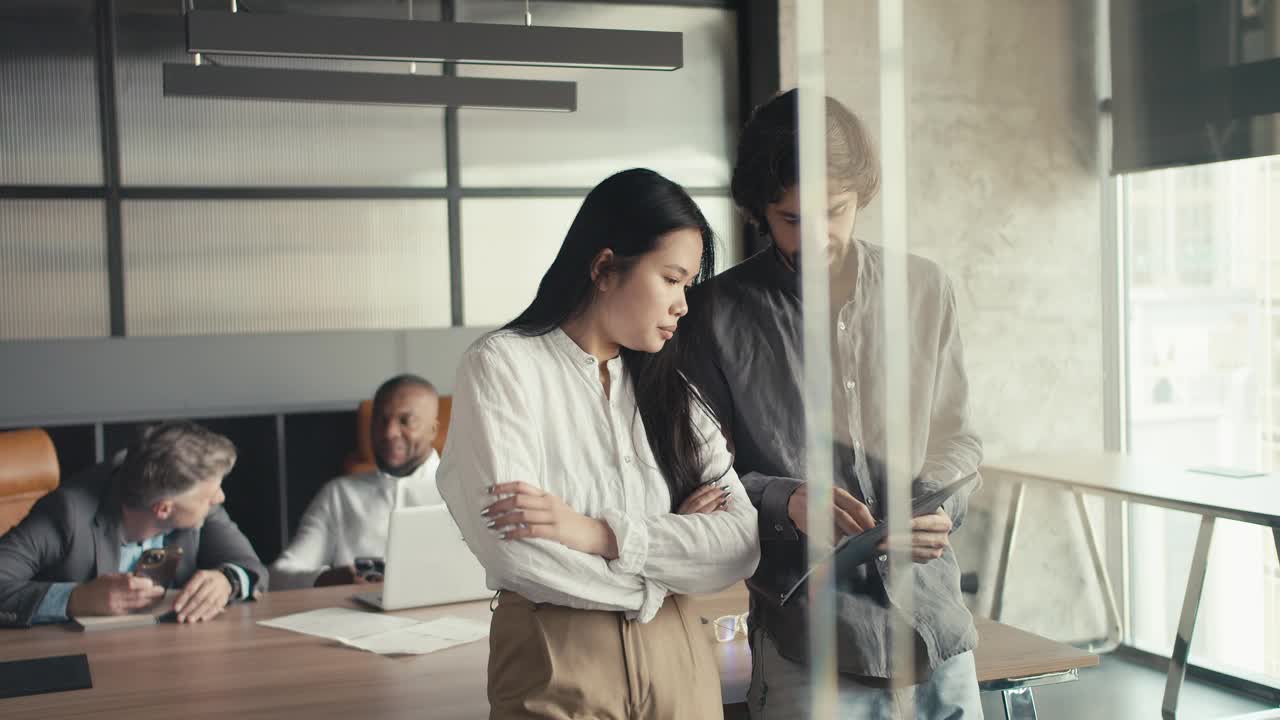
<point>533,409</point>
<point>348,519</point>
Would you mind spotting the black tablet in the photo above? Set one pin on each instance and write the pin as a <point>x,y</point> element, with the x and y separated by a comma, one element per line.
<point>854,550</point>
<point>44,675</point>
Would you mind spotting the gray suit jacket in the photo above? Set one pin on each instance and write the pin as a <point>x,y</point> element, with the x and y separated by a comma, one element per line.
<point>72,535</point>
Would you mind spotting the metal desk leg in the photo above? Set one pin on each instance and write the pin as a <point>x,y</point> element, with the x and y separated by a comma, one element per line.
<point>1275,532</point>
<point>1006,551</point>
<point>1019,704</point>
<point>1187,622</point>
<point>1115,631</point>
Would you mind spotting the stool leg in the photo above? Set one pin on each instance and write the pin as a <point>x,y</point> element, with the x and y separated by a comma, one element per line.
<point>1019,704</point>
<point>1115,627</point>
<point>1187,622</point>
<point>1006,551</point>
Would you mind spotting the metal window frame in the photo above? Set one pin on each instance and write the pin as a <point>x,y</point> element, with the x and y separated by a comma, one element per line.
<point>756,26</point>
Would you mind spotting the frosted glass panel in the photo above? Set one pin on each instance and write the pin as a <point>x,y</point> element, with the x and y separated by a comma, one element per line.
<point>258,266</point>
<point>53,269</point>
<point>508,244</point>
<point>200,141</point>
<point>49,113</point>
<point>682,123</point>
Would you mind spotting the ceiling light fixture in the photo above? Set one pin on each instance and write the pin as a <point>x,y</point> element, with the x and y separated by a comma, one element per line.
<point>319,36</point>
<point>257,83</point>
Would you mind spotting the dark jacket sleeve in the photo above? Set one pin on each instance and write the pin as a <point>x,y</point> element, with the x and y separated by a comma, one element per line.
<point>221,543</point>
<point>34,544</point>
<point>700,361</point>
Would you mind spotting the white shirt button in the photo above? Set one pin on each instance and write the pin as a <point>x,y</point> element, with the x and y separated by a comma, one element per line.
<point>849,384</point>
<point>883,558</point>
<point>627,459</point>
<point>840,325</point>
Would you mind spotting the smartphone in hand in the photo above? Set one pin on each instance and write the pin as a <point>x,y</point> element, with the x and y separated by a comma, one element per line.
<point>160,565</point>
<point>371,568</point>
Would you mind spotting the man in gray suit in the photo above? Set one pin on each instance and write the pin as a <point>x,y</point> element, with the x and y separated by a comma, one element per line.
<point>76,553</point>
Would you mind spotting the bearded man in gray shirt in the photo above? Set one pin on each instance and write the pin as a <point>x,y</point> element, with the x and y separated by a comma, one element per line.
<point>744,340</point>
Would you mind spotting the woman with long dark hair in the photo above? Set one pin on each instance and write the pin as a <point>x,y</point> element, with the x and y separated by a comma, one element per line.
<point>589,478</point>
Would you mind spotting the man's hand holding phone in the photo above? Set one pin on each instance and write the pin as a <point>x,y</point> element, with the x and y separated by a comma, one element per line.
<point>113,594</point>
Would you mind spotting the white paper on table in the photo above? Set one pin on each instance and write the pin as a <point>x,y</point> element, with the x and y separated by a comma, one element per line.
<point>423,637</point>
<point>339,623</point>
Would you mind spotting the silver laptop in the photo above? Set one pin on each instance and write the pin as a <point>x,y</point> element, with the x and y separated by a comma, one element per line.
<point>428,563</point>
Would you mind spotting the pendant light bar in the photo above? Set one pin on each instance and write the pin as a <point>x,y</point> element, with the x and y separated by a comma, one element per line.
<point>256,83</point>
<point>319,36</point>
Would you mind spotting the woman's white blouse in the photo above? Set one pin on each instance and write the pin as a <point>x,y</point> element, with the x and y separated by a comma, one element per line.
<point>533,409</point>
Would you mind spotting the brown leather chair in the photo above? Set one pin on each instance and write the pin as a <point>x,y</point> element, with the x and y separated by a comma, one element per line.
<point>28,470</point>
<point>361,459</point>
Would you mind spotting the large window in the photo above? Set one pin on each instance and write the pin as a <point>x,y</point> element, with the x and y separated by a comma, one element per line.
<point>1204,389</point>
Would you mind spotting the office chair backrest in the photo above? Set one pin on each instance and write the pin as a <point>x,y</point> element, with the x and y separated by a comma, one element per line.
<point>28,470</point>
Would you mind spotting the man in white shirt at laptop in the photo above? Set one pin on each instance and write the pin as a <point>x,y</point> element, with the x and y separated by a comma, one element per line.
<point>348,518</point>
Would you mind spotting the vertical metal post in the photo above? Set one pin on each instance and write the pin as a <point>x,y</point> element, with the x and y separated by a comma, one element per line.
<point>108,126</point>
<point>453,183</point>
<point>282,480</point>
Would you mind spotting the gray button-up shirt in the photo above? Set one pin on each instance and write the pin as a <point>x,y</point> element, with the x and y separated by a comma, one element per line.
<point>743,341</point>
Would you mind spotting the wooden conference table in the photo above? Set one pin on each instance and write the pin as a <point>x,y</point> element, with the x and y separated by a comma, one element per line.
<point>233,668</point>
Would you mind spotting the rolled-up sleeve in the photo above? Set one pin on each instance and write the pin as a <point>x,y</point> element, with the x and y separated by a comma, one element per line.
<point>699,553</point>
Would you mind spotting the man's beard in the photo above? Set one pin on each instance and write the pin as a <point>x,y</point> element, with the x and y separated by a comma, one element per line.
<point>404,469</point>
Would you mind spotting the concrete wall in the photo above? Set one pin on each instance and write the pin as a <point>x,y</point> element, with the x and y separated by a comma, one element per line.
<point>1004,193</point>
